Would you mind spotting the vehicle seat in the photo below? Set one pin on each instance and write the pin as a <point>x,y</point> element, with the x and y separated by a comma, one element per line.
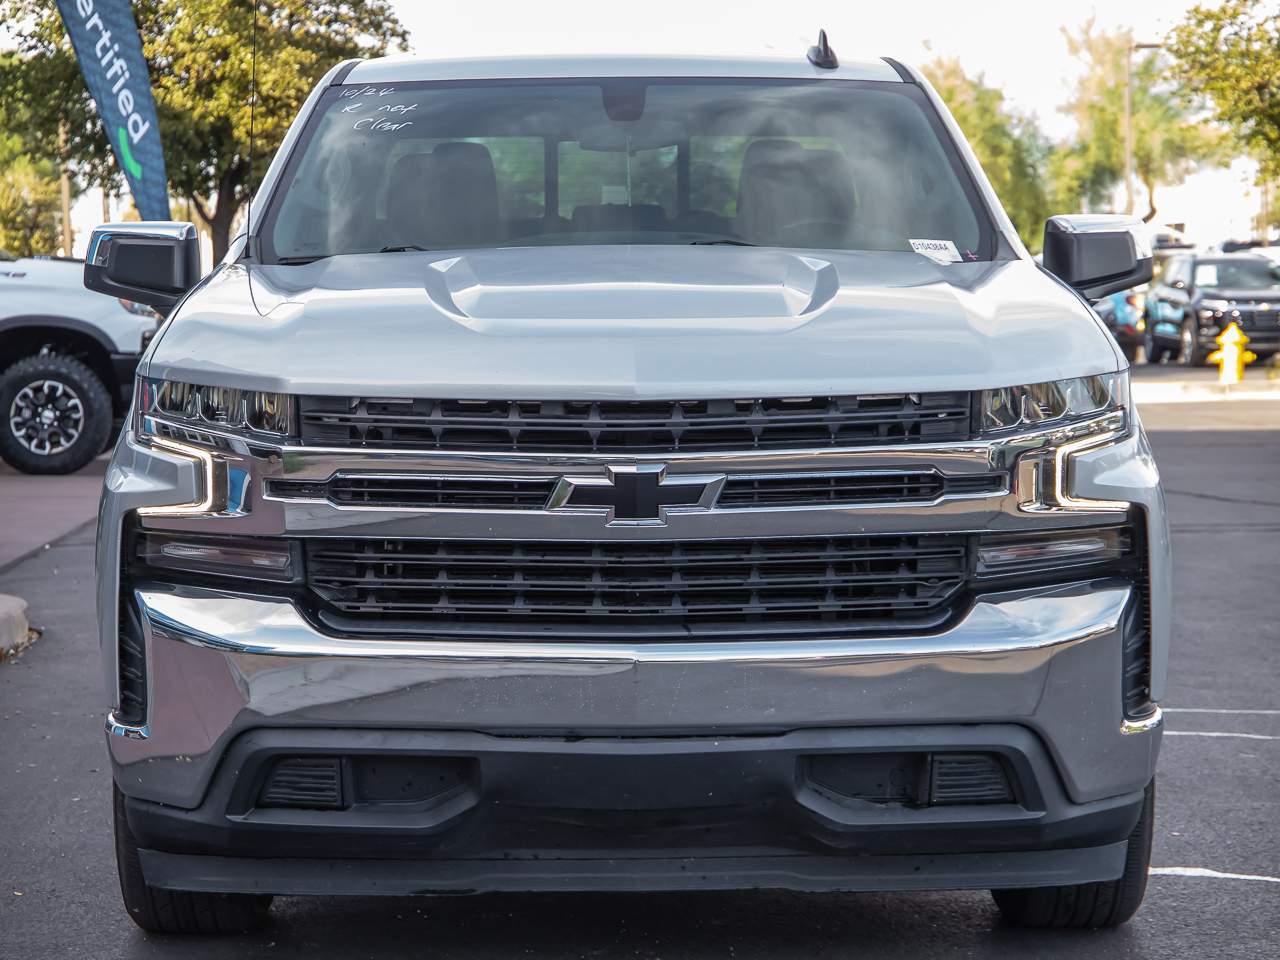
<point>461,195</point>
<point>792,196</point>
<point>406,200</point>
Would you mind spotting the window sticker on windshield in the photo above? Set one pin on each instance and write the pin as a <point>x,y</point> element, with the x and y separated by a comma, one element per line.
<point>939,251</point>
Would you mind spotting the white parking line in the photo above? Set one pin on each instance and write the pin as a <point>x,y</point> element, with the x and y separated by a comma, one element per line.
<point>1209,874</point>
<point>1261,713</point>
<point>1218,733</point>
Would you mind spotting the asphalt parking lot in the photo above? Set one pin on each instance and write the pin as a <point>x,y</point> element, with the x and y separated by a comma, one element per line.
<point>1215,890</point>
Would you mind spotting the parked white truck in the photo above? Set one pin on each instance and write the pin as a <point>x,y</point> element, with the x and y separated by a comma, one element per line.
<point>67,358</point>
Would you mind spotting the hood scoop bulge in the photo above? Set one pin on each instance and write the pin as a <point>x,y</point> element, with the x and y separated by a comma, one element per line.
<point>577,290</point>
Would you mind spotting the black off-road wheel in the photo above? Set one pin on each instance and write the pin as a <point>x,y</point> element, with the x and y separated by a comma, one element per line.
<point>1088,906</point>
<point>178,911</point>
<point>55,414</point>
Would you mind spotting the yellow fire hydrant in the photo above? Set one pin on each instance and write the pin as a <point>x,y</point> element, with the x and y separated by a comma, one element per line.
<point>1231,356</point>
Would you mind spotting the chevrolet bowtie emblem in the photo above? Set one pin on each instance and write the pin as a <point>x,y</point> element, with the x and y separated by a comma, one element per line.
<point>637,493</point>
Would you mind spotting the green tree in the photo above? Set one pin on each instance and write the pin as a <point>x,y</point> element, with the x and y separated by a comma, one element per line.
<point>30,195</point>
<point>1011,147</point>
<point>1229,55</point>
<point>198,54</point>
<point>30,204</point>
<point>1169,141</point>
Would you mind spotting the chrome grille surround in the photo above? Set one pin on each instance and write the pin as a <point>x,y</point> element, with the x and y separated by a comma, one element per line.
<point>986,485</point>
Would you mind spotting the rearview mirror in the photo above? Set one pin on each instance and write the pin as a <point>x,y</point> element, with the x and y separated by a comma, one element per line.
<point>1098,254</point>
<point>152,262</point>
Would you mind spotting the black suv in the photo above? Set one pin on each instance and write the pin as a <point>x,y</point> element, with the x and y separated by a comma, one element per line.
<point>1197,296</point>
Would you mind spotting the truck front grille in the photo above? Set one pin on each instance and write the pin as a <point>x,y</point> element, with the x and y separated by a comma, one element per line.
<point>680,588</point>
<point>635,426</point>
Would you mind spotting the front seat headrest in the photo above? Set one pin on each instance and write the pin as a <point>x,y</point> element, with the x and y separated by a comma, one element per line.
<point>792,196</point>
<point>462,195</point>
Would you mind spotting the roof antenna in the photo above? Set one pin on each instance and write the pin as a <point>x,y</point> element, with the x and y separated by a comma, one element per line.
<point>821,55</point>
<point>253,103</point>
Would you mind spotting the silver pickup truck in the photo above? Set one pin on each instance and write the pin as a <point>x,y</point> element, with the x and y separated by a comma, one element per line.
<point>630,474</point>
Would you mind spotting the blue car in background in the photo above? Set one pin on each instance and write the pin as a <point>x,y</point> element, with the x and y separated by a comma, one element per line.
<point>1123,313</point>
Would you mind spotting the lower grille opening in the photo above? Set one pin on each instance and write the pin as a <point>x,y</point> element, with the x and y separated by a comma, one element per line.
<point>131,665</point>
<point>308,783</point>
<point>1136,631</point>
<point>911,779</point>
<point>338,783</point>
<point>968,778</point>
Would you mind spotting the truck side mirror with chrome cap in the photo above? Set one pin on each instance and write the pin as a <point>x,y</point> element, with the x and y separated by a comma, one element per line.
<point>152,262</point>
<point>1098,254</point>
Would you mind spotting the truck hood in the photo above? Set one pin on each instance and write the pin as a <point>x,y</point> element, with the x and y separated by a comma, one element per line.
<point>630,322</point>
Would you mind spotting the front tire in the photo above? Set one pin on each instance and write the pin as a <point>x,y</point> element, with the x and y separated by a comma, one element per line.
<point>1088,906</point>
<point>177,911</point>
<point>1154,351</point>
<point>1190,353</point>
<point>55,414</point>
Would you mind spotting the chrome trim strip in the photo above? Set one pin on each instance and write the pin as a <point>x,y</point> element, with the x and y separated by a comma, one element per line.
<point>969,456</point>
<point>1145,725</point>
<point>195,508</point>
<point>237,478</point>
<point>117,729</point>
<point>998,624</point>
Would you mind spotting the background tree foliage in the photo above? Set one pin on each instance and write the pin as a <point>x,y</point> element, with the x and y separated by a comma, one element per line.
<point>1011,147</point>
<point>30,202</point>
<point>1229,54</point>
<point>1169,141</point>
<point>198,53</point>
<point>30,195</point>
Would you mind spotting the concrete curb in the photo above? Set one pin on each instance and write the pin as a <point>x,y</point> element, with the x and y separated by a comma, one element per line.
<point>13,624</point>
<point>1199,392</point>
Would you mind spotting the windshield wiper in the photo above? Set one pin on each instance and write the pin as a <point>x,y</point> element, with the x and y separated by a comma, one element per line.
<point>298,261</point>
<point>724,241</point>
<point>401,247</point>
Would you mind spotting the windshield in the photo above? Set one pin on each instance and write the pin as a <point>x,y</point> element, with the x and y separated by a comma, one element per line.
<point>853,165</point>
<point>1242,274</point>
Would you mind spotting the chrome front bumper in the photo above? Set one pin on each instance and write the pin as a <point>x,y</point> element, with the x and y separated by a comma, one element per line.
<point>1047,660</point>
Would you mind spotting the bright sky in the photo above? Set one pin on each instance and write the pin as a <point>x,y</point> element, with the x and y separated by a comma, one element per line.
<point>1017,44</point>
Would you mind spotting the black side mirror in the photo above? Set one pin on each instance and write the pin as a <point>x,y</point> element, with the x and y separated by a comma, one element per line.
<point>1098,254</point>
<point>152,262</point>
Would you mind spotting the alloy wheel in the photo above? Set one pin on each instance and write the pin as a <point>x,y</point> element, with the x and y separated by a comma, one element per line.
<point>46,417</point>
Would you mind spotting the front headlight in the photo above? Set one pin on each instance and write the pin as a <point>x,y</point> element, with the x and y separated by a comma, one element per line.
<point>217,408</point>
<point>1052,404</point>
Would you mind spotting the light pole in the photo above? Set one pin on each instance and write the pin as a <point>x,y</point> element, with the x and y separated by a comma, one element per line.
<point>1128,119</point>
